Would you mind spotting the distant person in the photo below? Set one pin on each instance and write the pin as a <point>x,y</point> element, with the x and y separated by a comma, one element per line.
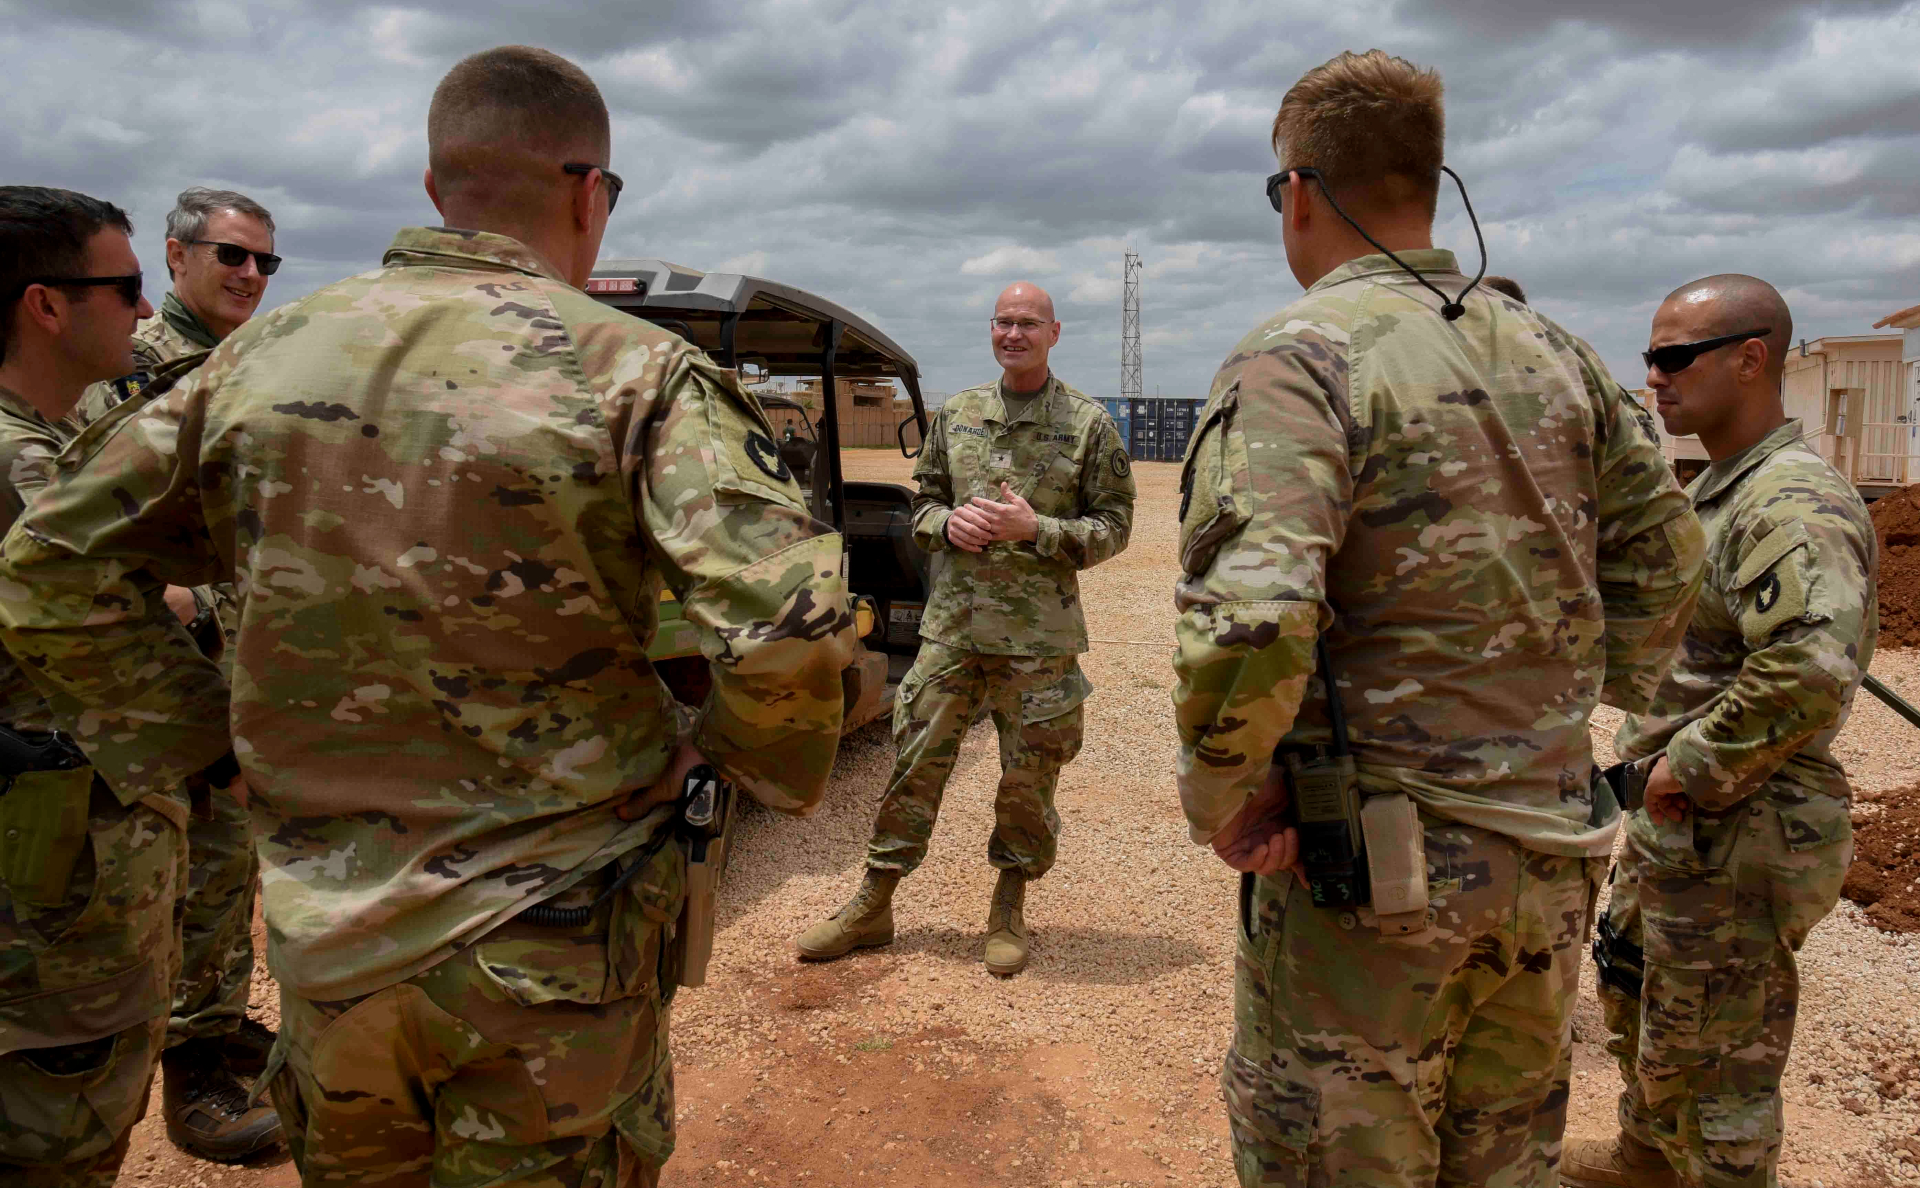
<point>83,993</point>
<point>450,490</point>
<point>1023,483</point>
<point>1747,830</point>
<point>1507,285</point>
<point>1403,1011</point>
<point>219,256</point>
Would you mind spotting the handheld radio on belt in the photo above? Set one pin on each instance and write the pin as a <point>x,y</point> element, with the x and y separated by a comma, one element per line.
<point>1358,850</point>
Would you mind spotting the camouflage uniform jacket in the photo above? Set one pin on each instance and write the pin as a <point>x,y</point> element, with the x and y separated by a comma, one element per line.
<point>449,491</point>
<point>1474,512</point>
<point>1783,633</point>
<point>29,443</point>
<point>1064,456</point>
<point>173,331</point>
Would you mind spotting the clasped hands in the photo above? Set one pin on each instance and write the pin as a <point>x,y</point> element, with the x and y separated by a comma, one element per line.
<point>979,522</point>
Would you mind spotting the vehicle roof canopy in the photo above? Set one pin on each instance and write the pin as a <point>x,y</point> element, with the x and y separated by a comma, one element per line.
<point>777,326</point>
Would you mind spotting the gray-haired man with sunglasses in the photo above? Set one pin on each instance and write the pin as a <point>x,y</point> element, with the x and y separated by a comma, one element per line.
<point>219,256</point>
<point>1746,831</point>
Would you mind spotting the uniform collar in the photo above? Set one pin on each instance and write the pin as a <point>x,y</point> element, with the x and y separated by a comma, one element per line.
<point>186,323</point>
<point>20,406</point>
<point>1728,471</point>
<point>448,246</point>
<point>1039,410</point>
<point>1424,260</point>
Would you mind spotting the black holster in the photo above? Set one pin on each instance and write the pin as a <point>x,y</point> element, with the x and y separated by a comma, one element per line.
<point>1620,962</point>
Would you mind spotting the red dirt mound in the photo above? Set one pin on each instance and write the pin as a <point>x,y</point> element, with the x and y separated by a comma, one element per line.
<point>1885,875</point>
<point>1896,520</point>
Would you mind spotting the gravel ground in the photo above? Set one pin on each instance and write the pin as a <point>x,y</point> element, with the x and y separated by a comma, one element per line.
<point>912,1065</point>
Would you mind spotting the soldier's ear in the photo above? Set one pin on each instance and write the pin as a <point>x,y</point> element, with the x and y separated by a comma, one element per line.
<point>433,191</point>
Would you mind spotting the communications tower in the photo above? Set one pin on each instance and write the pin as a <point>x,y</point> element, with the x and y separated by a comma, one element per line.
<point>1131,387</point>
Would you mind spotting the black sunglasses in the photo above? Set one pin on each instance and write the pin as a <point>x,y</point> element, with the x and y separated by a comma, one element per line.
<point>614,184</point>
<point>1680,356</point>
<point>233,256</point>
<point>1276,186</point>
<point>129,286</point>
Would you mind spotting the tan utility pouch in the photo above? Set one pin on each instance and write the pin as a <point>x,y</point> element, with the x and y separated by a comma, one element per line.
<point>1396,848</point>
<point>43,830</point>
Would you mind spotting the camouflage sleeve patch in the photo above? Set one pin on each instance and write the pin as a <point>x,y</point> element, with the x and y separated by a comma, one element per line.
<point>1773,582</point>
<point>933,504</point>
<point>1268,492</point>
<point>1803,597</point>
<point>758,576</point>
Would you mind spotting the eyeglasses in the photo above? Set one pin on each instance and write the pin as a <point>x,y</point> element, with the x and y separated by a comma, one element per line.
<point>1680,356</point>
<point>614,184</point>
<point>1277,183</point>
<point>1023,325</point>
<point>233,256</point>
<point>129,286</point>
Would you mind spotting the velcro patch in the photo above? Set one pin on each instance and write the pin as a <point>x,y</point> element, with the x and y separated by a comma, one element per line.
<point>766,456</point>
<point>1774,594</point>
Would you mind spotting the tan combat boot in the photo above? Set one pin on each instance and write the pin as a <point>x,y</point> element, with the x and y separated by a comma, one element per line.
<point>865,922</point>
<point>206,1105</point>
<point>1619,1163</point>
<point>1006,927</point>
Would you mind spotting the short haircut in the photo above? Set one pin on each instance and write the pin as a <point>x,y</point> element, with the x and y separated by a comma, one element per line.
<point>196,205</point>
<point>1371,123</point>
<point>513,97</point>
<point>1505,284</point>
<point>45,232</point>
<point>1737,303</point>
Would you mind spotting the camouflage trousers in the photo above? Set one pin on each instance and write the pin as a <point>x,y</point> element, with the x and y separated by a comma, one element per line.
<point>89,945</point>
<point>1035,702</point>
<point>1718,905</point>
<point>537,1057</point>
<point>216,930</point>
<point>1441,1057</point>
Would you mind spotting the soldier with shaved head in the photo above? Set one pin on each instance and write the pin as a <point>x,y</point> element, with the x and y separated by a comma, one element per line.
<point>1746,831</point>
<point>449,492</point>
<point>1023,483</point>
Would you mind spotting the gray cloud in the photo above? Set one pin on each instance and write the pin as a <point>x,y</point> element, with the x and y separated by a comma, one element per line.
<point>908,160</point>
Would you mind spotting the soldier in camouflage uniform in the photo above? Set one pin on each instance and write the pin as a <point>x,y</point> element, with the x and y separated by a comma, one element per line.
<point>1478,522</point>
<point>210,1039</point>
<point>449,491</point>
<point>1023,483</point>
<point>90,868</point>
<point>1746,835</point>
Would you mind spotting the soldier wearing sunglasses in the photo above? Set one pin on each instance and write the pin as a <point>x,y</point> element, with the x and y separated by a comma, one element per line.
<point>219,256</point>
<point>83,1002</point>
<point>1746,831</point>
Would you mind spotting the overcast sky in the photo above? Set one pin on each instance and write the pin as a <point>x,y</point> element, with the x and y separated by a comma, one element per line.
<point>908,160</point>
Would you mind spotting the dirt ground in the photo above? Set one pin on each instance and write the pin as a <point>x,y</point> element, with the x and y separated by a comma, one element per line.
<point>1097,1066</point>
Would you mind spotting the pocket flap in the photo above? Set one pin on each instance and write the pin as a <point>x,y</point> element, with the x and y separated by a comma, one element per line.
<point>1265,1108</point>
<point>1737,1118</point>
<point>1817,821</point>
<point>1767,553</point>
<point>1050,701</point>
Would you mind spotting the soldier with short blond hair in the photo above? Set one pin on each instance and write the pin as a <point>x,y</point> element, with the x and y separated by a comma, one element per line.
<point>450,491</point>
<point>1431,510</point>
